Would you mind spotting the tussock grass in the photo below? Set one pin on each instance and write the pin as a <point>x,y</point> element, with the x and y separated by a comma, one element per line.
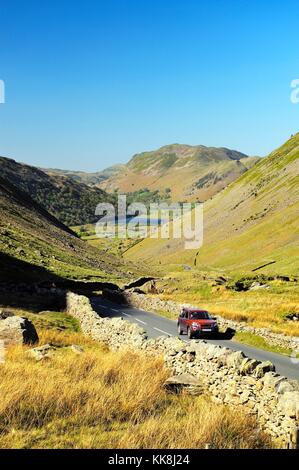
<point>93,388</point>
<point>195,423</point>
<point>101,399</point>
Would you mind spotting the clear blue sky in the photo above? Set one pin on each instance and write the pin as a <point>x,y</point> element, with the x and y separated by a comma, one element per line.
<point>89,83</point>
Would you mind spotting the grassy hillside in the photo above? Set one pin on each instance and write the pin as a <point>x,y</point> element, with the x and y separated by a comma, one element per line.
<point>188,173</point>
<point>34,245</point>
<point>70,202</point>
<point>252,222</point>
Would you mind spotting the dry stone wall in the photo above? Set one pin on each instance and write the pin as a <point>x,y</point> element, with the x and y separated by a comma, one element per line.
<point>115,332</point>
<point>226,376</point>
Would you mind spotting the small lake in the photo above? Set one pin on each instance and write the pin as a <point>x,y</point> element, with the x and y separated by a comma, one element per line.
<point>137,220</point>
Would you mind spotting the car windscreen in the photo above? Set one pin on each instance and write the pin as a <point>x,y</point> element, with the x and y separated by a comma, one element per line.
<point>199,316</point>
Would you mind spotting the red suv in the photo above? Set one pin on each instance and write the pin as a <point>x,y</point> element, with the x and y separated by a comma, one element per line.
<point>197,323</point>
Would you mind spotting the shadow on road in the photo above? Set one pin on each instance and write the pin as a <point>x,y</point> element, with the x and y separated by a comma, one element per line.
<point>228,334</point>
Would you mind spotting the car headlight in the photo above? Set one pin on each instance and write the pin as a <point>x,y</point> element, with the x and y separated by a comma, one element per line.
<point>196,325</point>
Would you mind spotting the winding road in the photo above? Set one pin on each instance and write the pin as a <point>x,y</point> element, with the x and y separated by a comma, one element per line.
<point>156,325</point>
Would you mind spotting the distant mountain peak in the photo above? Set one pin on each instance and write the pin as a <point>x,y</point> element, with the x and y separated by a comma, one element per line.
<point>190,172</point>
<point>180,168</point>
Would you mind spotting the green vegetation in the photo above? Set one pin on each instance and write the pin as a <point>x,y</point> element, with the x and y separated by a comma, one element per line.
<point>53,321</point>
<point>260,343</point>
<point>115,246</point>
<point>168,161</point>
<point>148,197</point>
<point>142,162</point>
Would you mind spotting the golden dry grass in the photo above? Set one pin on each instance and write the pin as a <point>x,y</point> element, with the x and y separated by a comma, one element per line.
<point>101,399</point>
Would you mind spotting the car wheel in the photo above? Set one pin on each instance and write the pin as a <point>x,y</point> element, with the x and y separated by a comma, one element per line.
<point>180,331</point>
<point>190,334</point>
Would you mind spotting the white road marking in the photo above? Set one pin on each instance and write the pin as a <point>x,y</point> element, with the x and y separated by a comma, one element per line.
<point>161,331</point>
<point>140,321</point>
<point>126,314</point>
<point>113,310</point>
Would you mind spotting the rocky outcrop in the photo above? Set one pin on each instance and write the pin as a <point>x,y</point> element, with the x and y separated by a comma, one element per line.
<point>154,303</point>
<point>184,383</point>
<point>42,353</point>
<point>17,330</point>
<point>226,376</point>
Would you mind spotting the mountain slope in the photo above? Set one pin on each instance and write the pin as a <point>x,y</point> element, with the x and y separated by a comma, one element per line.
<point>252,222</point>
<point>35,243</point>
<point>190,173</point>
<point>71,202</point>
<point>90,179</point>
